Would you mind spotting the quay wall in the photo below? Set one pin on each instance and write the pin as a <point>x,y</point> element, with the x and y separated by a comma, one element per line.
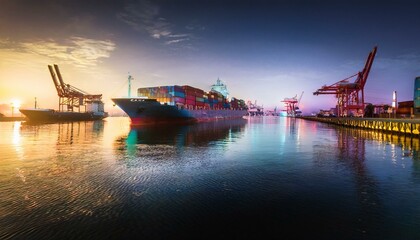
<point>398,126</point>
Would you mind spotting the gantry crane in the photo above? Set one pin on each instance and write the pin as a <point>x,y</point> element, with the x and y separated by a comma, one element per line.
<point>350,96</point>
<point>71,97</point>
<point>292,105</point>
<point>298,103</point>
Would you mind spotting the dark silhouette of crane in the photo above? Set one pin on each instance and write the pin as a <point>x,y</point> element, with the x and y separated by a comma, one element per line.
<point>350,96</point>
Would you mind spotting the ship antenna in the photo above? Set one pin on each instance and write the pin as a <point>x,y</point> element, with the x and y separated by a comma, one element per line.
<point>129,84</point>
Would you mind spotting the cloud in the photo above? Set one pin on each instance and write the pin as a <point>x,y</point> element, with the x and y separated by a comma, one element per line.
<point>145,16</point>
<point>176,41</point>
<point>409,61</point>
<point>82,52</point>
<point>194,26</point>
<point>405,61</point>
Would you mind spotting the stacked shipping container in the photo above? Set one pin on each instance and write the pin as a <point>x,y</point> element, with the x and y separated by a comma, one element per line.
<point>194,97</point>
<point>164,94</point>
<point>190,97</point>
<point>237,103</point>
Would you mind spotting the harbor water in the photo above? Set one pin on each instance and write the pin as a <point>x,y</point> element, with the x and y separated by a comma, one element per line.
<point>255,178</point>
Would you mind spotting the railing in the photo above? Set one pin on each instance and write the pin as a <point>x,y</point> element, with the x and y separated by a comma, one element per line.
<point>401,126</point>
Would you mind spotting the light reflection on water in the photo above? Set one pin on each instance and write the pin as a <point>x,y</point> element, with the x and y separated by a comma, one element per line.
<point>250,178</point>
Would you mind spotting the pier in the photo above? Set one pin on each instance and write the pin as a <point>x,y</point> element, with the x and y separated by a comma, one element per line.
<point>391,125</point>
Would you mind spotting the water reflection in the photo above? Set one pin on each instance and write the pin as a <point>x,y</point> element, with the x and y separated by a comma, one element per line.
<point>79,131</point>
<point>198,135</point>
<point>67,132</point>
<point>366,156</point>
<point>407,145</point>
<point>352,153</point>
<point>257,177</point>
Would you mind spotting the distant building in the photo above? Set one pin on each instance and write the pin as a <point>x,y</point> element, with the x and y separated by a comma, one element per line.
<point>417,95</point>
<point>327,113</point>
<point>404,108</point>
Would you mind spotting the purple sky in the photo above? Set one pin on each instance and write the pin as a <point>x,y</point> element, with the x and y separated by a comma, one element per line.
<point>264,51</point>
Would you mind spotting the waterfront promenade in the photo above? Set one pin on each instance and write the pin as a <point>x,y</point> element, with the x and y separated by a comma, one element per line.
<point>391,125</point>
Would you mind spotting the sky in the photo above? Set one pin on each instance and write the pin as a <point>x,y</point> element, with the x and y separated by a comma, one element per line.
<point>264,51</point>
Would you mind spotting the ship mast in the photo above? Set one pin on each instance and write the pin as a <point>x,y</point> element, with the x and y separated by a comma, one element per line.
<point>129,84</point>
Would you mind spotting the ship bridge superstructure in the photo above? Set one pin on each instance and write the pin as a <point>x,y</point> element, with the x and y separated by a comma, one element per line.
<point>221,88</point>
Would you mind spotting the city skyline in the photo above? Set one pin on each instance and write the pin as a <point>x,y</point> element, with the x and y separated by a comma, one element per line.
<point>264,51</point>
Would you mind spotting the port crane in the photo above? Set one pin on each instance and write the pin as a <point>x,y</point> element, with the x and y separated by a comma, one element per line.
<point>292,105</point>
<point>254,109</point>
<point>71,97</point>
<point>297,108</point>
<point>350,95</point>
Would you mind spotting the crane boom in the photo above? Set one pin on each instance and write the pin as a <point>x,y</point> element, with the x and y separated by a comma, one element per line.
<point>69,96</point>
<point>57,85</point>
<point>63,85</point>
<point>300,98</point>
<point>350,96</point>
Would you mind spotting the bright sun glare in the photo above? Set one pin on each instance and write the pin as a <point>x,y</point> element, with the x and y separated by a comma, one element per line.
<point>16,103</point>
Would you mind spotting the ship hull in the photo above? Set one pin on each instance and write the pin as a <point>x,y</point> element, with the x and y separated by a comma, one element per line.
<point>148,111</point>
<point>50,115</point>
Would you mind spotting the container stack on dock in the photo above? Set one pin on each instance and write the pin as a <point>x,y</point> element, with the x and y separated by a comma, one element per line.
<point>190,97</point>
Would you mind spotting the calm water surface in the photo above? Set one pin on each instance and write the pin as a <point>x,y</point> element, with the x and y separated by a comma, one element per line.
<point>264,177</point>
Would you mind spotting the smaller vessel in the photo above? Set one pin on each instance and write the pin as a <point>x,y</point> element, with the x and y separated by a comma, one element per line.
<point>74,104</point>
<point>3,118</point>
<point>51,115</point>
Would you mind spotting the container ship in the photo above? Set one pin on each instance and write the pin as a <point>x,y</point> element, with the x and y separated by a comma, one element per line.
<point>74,104</point>
<point>181,104</point>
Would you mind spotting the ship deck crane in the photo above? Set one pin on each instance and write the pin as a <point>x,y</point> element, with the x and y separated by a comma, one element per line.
<point>350,96</point>
<point>71,97</point>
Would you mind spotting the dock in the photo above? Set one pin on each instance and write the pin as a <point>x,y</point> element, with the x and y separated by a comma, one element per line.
<point>390,125</point>
<point>12,119</point>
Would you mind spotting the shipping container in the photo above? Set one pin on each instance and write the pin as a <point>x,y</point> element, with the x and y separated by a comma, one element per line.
<point>189,102</point>
<point>178,100</point>
<point>189,97</point>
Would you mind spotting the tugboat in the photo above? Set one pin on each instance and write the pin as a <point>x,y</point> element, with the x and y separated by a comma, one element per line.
<point>74,104</point>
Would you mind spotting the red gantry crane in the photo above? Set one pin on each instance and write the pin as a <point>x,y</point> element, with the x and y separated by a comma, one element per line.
<point>350,96</point>
<point>71,97</point>
<point>292,106</point>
